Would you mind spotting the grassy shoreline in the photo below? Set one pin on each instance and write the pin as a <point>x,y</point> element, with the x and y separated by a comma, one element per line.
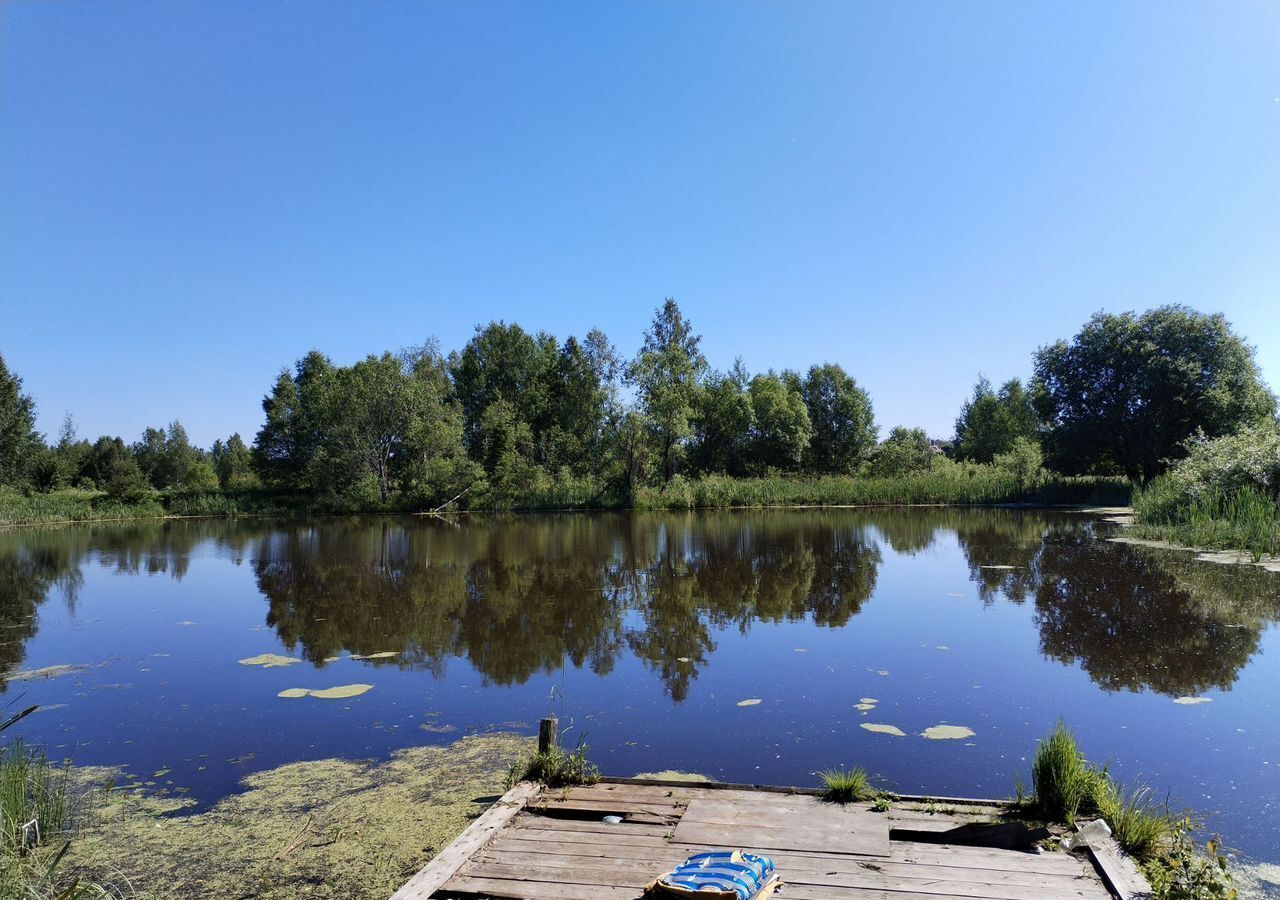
<point>965,487</point>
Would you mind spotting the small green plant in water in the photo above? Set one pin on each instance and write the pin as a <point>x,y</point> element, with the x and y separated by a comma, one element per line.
<point>845,785</point>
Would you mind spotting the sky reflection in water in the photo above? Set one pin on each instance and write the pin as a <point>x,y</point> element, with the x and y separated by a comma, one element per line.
<point>644,631</point>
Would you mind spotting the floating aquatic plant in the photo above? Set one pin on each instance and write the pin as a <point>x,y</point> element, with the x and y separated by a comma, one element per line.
<point>883,729</point>
<point>341,692</point>
<point>269,660</point>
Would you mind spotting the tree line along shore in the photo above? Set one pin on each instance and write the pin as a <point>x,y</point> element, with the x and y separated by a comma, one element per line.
<point>1167,408</point>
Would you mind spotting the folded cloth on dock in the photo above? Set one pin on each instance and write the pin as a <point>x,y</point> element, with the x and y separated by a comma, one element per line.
<point>720,875</point>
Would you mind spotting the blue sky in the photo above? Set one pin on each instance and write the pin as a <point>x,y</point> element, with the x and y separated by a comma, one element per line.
<point>193,195</point>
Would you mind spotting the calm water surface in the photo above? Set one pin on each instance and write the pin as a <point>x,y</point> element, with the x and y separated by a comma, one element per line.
<point>644,632</point>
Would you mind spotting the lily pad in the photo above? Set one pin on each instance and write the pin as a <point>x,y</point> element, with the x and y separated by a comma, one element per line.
<point>947,732</point>
<point>1192,701</point>
<point>269,660</point>
<point>754,701</point>
<point>883,729</point>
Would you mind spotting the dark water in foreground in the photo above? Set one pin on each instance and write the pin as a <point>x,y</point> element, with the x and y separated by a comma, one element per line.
<point>644,632</point>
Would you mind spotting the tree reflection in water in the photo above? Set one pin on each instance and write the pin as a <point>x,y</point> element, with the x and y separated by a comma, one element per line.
<point>518,595</point>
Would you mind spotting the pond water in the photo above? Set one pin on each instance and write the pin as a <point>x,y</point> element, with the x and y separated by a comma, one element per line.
<point>645,633</point>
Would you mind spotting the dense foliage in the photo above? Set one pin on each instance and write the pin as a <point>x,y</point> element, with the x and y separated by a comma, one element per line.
<point>990,423</point>
<point>1224,493</point>
<point>1128,391</point>
<point>516,419</point>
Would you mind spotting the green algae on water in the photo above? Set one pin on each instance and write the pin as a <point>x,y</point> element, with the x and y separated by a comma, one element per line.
<point>325,828</point>
<point>947,732</point>
<point>883,729</point>
<point>341,692</point>
<point>269,660</point>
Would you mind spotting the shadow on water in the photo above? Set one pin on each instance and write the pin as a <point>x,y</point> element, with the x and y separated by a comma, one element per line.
<point>521,595</point>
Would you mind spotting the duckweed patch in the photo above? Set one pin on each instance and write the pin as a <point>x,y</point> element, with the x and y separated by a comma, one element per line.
<point>341,692</point>
<point>325,829</point>
<point>269,660</point>
<point>883,729</point>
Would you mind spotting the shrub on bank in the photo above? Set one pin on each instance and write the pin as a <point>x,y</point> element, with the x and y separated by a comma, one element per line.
<point>1224,494</point>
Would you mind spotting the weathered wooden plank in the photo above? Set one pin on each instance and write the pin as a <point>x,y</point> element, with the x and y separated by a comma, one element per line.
<point>556,823</point>
<point>448,861</point>
<point>792,864</point>
<point>538,890</point>
<point>784,789</point>
<point>1119,870</point>
<point>638,873</point>
<point>783,825</point>
<point>596,844</point>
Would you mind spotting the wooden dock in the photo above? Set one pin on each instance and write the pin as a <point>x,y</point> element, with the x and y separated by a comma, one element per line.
<point>553,844</point>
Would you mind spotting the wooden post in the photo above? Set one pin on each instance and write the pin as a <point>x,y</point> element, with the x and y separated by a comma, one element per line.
<point>547,729</point>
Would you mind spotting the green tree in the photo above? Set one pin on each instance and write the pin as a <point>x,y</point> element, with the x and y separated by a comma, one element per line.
<point>504,362</point>
<point>990,422</point>
<point>285,446</point>
<point>904,451</point>
<point>168,459</point>
<point>666,375</point>
<point>844,428</point>
<point>782,429</point>
<point>113,468</point>
<point>233,463</point>
<point>19,441</point>
<point>581,394</point>
<point>1128,391</point>
<point>724,422</point>
<point>368,413</point>
<point>433,462</point>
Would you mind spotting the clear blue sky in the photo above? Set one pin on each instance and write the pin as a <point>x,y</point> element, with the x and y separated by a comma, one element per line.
<point>195,194</point>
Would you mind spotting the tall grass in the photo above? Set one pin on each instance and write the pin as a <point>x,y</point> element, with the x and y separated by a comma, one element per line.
<point>1066,786</point>
<point>950,484</point>
<point>1240,518</point>
<point>1064,783</point>
<point>846,785</point>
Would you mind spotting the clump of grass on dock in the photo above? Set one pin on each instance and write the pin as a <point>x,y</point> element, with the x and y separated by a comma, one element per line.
<point>1065,784</point>
<point>555,767</point>
<point>846,785</point>
<point>1178,867</point>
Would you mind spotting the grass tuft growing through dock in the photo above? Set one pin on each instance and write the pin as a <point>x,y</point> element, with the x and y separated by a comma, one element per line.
<point>555,767</point>
<point>1067,786</point>
<point>846,785</point>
